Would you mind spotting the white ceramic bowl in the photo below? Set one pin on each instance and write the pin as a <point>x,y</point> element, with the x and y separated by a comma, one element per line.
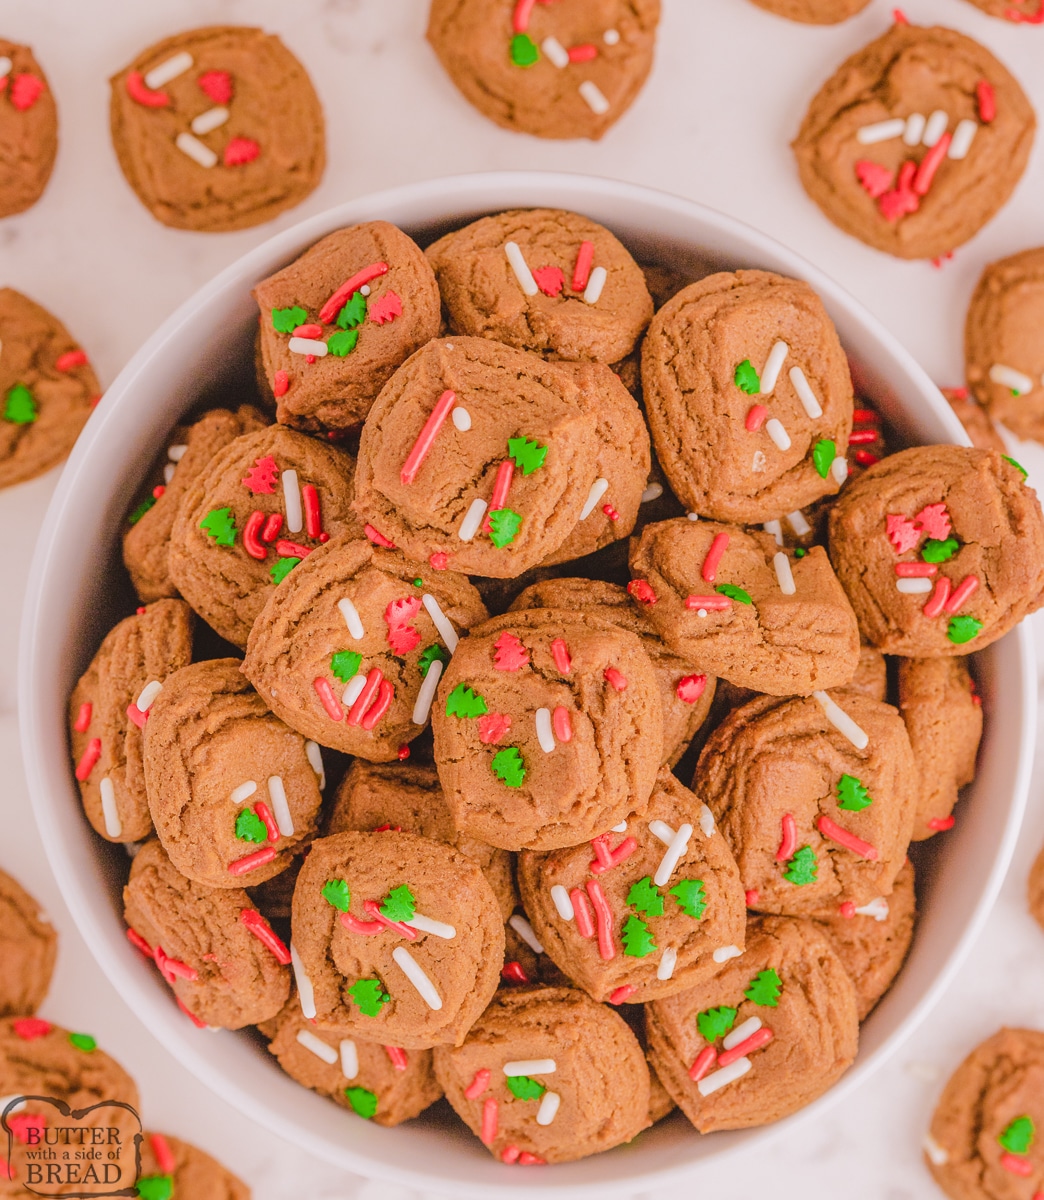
<point>74,596</point>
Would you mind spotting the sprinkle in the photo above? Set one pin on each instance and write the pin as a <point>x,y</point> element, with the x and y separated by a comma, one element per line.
<point>351,618</point>
<point>562,724</point>
<point>741,1032</point>
<point>913,586</point>
<point>264,815</point>
<point>489,1121</point>
<point>243,792</point>
<point>277,794</point>
<point>304,985</point>
<point>876,908</point>
<point>615,680</point>
<point>661,831</point>
<point>561,657</point>
<point>177,65</point>
<point>555,51</point>
<point>258,859</point>
<point>522,13</point>
<point>941,824</point>
<point>292,502</point>
<point>136,716</point>
<point>706,820</point>
<point>561,901</point>
<point>709,570</point>
<point>784,575</point>
<point>883,131</point>
<point>624,992</point>
<point>582,269</point>
<point>930,164</point>
<point>585,925</point>
<point>164,1156</point>
<point>525,931</point>
<point>774,428</point>
<point>987,101</point>
<point>139,93</point>
<point>690,688</point>
<point>426,437</point>
<point>796,521</point>
<point>1010,378</point>
<point>210,120</point>
<point>914,570</point>
<point>805,394</point>
<point>110,813</point>
<point>501,487</point>
<point>605,860</point>
<point>934,605</point>
<point>310,346</point>
<point>441,622</point>
<point>705,604</point>
<point>510,1154</point>
<point>5,69</point>
<point>584,52</point>
<point>598,490</point>
<point>594,289</point>
<point>31,1028</point>
<point>703,1063</point>
<point>935,1152</point>
<point>69,360</point>
<point>668,961</point>
<point>347,289</point>
<point>755,1041</point>
<point>604,919</point>
<point>461,418</point>
<point>674,853</point>
<point>380,706</point>
<point>327,698</point>
<point>788,842</point>
<point>935,127</point>
<point>349,1056</point>
<point>520,267</point>
<point>260,928</point>
<point>718,1079</point>
<point>83,717</point>
<point>543,730</point>
<point>968,586</point>
<point>691,516</point>
<point>611,37</point>
<point>751,897</point>
<point>201,154</point>
<point>548,1109</point>
<point>1016,1165</point>
<point>592,94</point>
<point>437,929</point>
<point>839,469</point>
<point>90,757</point>
<point>531,1066</point>
<point>755,418</point>
<point>312,511</point>
<point>963,136</point>
<point>472,520</point>
<point>426,694</point>
<point>829,829</point>
<point>478,1085</point>
<point>842,722</point>
<point>272,527</point>
<point>411,969</point>
<point>847,910</point>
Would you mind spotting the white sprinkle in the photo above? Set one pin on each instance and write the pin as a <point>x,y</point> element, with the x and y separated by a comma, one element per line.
<point>365,291</point>
<point>461,418</point>
<point>653,492</point>
<point>1010,378</point>
<point>177,452</point>
<point>611,37</point>
<point>718,1079</point>
<point>561,901</point>
<point>132,849</point>
<point>429,925</point>
<point>775,529</point>
<point>774,428</point>
<point>304,984</point>
<point>318,1047</point>
<point>354,689</point>
<point>913,587</point>
<point>351,618</point>
<point>196,150</point>
<point>773,366</point>
<point>168,472</point>
<point>426,694</point>
<point>805,394</point>
<point>280,807</point>
<point>174,66</point>
<point>543,730</point>
<point>147,696</point>
<point>784,575</point>
<point>521,268</point>
<point>935,127</point>
<point>243,792</point>
<point>724,953</point>
<point>668,961</point>
<point>679,844</point>
<point>842,722</point>
<point>914,128</point>
<point>5,66</point>
<point>759,461</point>
<point>963,136</point>
<point>707,821</point>
<point>839,469</point>
<point>883,131</point>
<point>530,1066</point>
<point>312,346</point>
<point>411,969</point>
<point>741,1032</point>
<point>662,831</point>
<point>691,516</point>
<point>472,520</point>
<point>555,51</point>
<point>525,931</point>
<point>701,612</point>
<point>315,757</point>
<point>938,1155</point>
<point>441,622</point>
<point>292,502</point>
<point>110,813</point>
<point>349,1059</point>
<point>210,120</point>
<point>621,828</point>
<point>548,1109</point>
<point>598,490</point>
<point>595,285</point>
<point>592,94</point>
<point>876,908</point>
<point>796,521</point>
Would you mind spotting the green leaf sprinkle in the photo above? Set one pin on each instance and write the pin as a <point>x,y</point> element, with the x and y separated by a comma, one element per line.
<point>1017,465</point>
<point>335,892</point>
<point>141,510</point>
<point>504,524</point>
<point>83,1041</point>
<point>286,320</point>
<point>823,454</point>
<point>802,868</point>
<point>734,593</point>
<point>851,795</point>
<point>637,940</point>
<point>936,551</point>
<point>370,996</point>
<point>279,570</point>
<point>765,988</point>
<point>1017,1137</point>
<point>20,407</point>
<point>962,629</point>
<point>155,1187</point>
<point>691,897</point>
<point>220,525</point>
<point>524,52</point>
<point>345,664</point>
<point>746,378</point>
<point>714,1023</point>
<point>353,313</point>
<point>528,456</point>
<point>434,653</point>
<point>645,897</point>
<point>250,827</point>
<point>362,1100</point>
<point>399,904</point>
<point>522,1087</point>
<point>463,702</point>
<point>342,343</point>
<point>508,766</point>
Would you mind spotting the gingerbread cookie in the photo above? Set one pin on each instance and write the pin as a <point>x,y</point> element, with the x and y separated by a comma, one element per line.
<point>544,280</point>
<point>548,729</point>
<point>233,791</point>
<point>547,1075</point>
<point>871,677</point>
<point>173,1168</point>
<point>1035,889</point>
<point>47,387</point>
<point>749,396</point>
<point>644,910</point>
<point>337,322</point>
<point>565,71</point>
<point>108,710</point>
<point>1003,342</point>
<point>28,129</point>
<point>1021,12</point>
<point>399,938</point>
<point>730,601</point>
<point>217,128</point>
<point>28,943</point>
<point>978,425</point>
<point>916,141</point>
<point>816,798</point>
<point>814,12</point>
<point>262,504</point>
<point>940,549</point>
<point>476,457</point>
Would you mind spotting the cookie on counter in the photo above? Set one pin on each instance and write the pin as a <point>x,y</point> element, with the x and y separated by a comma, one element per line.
<point>977,422</point>
<point>217,128</point>
<point>558,71</point>
<point>814,12</point>
<point>233,792</point>
<point>28,944</point>
<point>173,1168</point>
<point>548,729</point>
<point>28,129</point>
<point>47,387</point>
<point>748,395</point>
<point>337,322</point>
<point>916,141</point>
<point>547,1075</point>
<point>940,550</point>
<point>544,280</point>
<point>260,506</point>
<point>1021,12</point>
<point>108,711</point>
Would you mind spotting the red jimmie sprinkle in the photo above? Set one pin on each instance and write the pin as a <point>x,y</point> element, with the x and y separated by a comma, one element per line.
<point>562,724</point>
<point>188,1013</point>
<point>243,866</point>
<point>691,688</point>
<point>584,263</point>
<point>642,591</point>
<point>603,855</point>
<point>478,1085</point>
<point>520,17</point>
<point>624,992</point>
<point>366,697</point>
<point>31,1028</point>
<point>751,896</point>
<point>865,458</point>
<point>1020,18</point>
<point>935,602</point>
<point>987,101</point>
<point>312,511</point>
<point>1016,1165</point>
<point>615,680</point>
<point>69,360</point>
<point>603,919</point>
<point>967,588</point>
<point>83,717</point>
<point>513,972</point>
<point>899,17</point>
<point>426,438</point>
<point>510,1154</point>
<point>755,418</point>
<point>308,331</point>
<point>347,289</point>
<point>489,1121</point>
<point>525,1159</point>
<point>280,384</point>
<point>252,536</point>
<point>139,943</point>
<point>930,164</point>
<point>164,1157</point>
<point>916,570</point>
<point>241,150</point>
<point>328,699</point>
<point>703,1063</point>
<point>260,928</point>
<point>287,549</point>
<point>621,854</point>
<point>847,909</point>
<point>710,603</point>
<point>378,538</point>
<point>829,829</point>
<point>373,910</point>
<point>760,1037</point>
<point>582,53</point>
<point>272,527</point>
<point>264,815</point>
<point>357,925</point>
<point>172,968</point>
<point>501,487</point>
<point>561,656</point>
<point>136,716</point>
<point>90,756</point>
<point>862,437</point>
<point>709,570</point>
<point>583,913</point>
<point>788,841</point>
<point>140,94</point>
<point>862,415</point>
<point>385,695</point>
<point>941,824</point>
<point>397,1057</point>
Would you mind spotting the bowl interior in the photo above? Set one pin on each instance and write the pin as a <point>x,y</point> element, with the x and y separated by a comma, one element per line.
<point>203,353</point>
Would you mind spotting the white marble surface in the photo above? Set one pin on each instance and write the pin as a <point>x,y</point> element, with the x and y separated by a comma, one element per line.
<point>727,93</point>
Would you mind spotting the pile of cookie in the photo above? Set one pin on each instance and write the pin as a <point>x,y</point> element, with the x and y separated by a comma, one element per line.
<point>510,719</point>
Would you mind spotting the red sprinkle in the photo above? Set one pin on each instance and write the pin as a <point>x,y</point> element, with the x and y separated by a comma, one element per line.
<point>366,697</point>
<point>241,150</point>
<point>288,549</point>
<point>709,570</point>
<point>280,384</point>
<point>489,1121</point>
<point>642,591</point>
<point>703,1063</point>
<point>829,829</point>
<point>582,53</point>
<point>426,437</point>
<point>378,538</point>
<point>549,280</point>
<point>139,943</point>
<point>21,1123</point>
<point>583,913</point>
<point>751,896</point>
<point>347,289</point>
<point>438,561</point>
<point>560,653</point>
<point>357,925</point>
<point>308,331</point>
<point>624,992</point>
<point>173,968</point>
<point>328,699</point>
<point>862,415</point>
<point>525,1159</point>
<point>510,1154</point>
<point>847,909</point>
<point>874,178</point>
<point>251,536</point>
<point>604,919</point>
<point>264,815</point>
<point>862,437</point>
<point>312,511</point>
<point>967,588</point>
<point>492,727</point>
<point>710,603</point>
<point>612,858</point>
<point>403,753</point>
<point>397,1056</point>
<point>865,458</point>
<point>385,695</point>
<point>603,855</point>
<point>916,570</point>
<point>83,717</point>
<point>899,17</point>
<point>930,164</point>
<point>140,610</point>
<point>755,418</point>
<point>158,490</point>
<point>760,1037</point>
<point>31,1028</point>
<point>90,756</point>
<point>610,512</point>
<point>615,680</point>
<point>788,842</point>
<point>478,1085</point>
<point>514,973</point>
<point>69,360</point>
<point>217,85</point>
<point>523,11</point>
<point>373,910</point>
<point>1016,1165</point>
<point>1020,18</point>
<point>584,263</point>
<point>691,688</point>
<point>901,199</point>
<point>26,89</point>
<point>164,1157</point>
<point>272,527</point>
<point>562,724</point>
<point>140,94</point>
<point>934,605</point>
<point>136,716</point>
<point>941,824</point>
<point>987,99</point>
<point>258,859</point>
<point>501,487</point>
<point>385,309</point>
<point>188,1013</point>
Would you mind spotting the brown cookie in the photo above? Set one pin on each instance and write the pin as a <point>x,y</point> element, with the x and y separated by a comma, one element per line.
<point>106,723</point>
<point>871,677</point>
<point>337,322</point>
<point>47,386</point>
<point>547,1075</point>
<point>191,1171</point>
<point>217,128</point>
<point>916,141</point>
<point>730,601</point>
<point>660,1102</point>
<point>544,280</point>
<point>556,72</point>
<point>978,425</point>
<point>28,129</point>
<point>940,549</point>
<point>226,966</point>
<point>476,457</point>
<point>639,912</point>
<point>1003,350</point>
<point>817,814</point>
<point>385,1084</point>
<point>548,730</point>
<point>1021,12</point>
<point>748,395</point>
<point>814,12</point>
<point>28,943</point>
<point>1035,889</point>
<point>260,506</point>
<point>232,790</point>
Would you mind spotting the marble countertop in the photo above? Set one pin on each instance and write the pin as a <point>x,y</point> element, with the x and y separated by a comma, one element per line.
<point>727,93</point>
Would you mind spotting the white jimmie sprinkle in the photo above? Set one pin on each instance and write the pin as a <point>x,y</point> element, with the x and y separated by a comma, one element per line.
<point>148,695</point>
<point>963,136</point>
<point>557,54</point>
<point>318,1047</point>
<point>520,267</point>
<point>169,69</point>
<point>876,908</point>
<point>197,151</point>
<point>668,961</point>
<point>796,521</point>
<point>545,736</point>
<point>718,1079</point>
<point>315,758</point>
<point>303,345</point>
<point>915,124</point>
<point>774,428</point>
<point>110,813</point>
<point>936,1153</point>
<point>594,98</point>
<point>839,469</point>
<point>243,792</point>
<point>304,984</point>
<point>775,529</point>
<point>461,418</point>
<point>742,1032</point>
<point>210,120</point>
<point>548,1109</point>
<point>598,490</point>
<point>351,618</point>
<point>882,131</point>
<point>675,851</point>
<point>429,925</point>
<point>784,575</point>
<point>773,365</point>
<point>354,689</point>
<point>653,491</point>
<point>413,972</point>
<point>1010,378</point>
<point>595,285</point>
<point>914,586</point>
<point>472,520</point>
<point>842,722</point>
<point>441,622</point>
<point>707,821</point>
<point>530,1066</point>
<point>292,502</point>
<point>935,127</point>
<point>560,899</point>
<point>426,694</point>
<point>806,395</point>
<point>280,807</point>
<point>349,1058</point>
<point>661,831</point>
<point>724,953</point>
<point>525,931</point>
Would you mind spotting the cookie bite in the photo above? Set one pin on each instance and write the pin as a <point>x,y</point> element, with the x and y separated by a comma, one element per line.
<point>644,910</point>
<point>815,797</point>
<point>732,601</point>
<point>772,1031</point>
<point>548,729</point>
<point>28,944</point>
<point>916,141</point>
<point>233,792</point>
<point>559,72</point>
<point>477,457</point>
<point>108,710</point>
<point>399,939</point>
<point>171,1167</point>
<point>940,550</point>
<point>261,506</point>
<point>813,12</point>
<point>337,322</point>
<point>546,1075</point>
<point>28,129</point>
<point>217,128</point>
<point>748,395</point>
